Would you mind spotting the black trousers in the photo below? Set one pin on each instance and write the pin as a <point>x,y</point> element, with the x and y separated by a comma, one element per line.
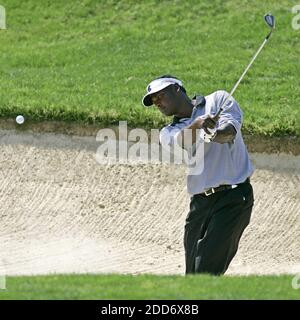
<point>214,227</point>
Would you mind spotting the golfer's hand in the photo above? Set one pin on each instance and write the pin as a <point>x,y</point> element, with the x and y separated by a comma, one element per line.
<point>207,122</point>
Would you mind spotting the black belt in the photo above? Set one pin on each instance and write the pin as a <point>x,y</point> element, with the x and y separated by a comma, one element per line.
<point>223,187</point>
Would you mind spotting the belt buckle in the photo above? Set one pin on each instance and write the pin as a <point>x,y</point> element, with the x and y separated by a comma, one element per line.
<point>209,192</point>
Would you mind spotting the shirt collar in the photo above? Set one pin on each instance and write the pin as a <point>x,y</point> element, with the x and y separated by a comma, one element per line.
<point>199,102</point>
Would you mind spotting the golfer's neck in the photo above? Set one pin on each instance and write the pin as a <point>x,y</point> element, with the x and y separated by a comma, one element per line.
<point>186,109</point>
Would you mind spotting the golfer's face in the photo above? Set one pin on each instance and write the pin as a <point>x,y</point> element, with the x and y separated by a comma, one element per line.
<point>165,100</point>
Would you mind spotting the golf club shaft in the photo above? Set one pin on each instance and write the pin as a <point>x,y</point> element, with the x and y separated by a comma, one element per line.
<point>242,76</point>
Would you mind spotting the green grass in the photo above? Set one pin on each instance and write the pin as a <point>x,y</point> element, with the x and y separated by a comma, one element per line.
<point>89,61</point>
<point>149,287</point>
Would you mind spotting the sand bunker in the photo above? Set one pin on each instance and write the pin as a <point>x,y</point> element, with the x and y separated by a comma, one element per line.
<point>62,212</point>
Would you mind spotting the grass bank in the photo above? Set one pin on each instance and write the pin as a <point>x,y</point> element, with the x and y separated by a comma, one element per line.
<point>90,61</point>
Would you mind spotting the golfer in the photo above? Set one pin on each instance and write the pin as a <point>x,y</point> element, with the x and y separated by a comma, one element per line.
<point>221,193</point>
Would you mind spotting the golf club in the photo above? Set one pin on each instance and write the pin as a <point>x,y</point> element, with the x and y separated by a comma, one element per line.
<point>270,20</point>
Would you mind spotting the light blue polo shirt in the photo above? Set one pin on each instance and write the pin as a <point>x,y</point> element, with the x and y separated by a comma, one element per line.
<point>227,163</point>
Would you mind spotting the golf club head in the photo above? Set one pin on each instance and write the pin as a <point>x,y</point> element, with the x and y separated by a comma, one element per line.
<point>270,20</point>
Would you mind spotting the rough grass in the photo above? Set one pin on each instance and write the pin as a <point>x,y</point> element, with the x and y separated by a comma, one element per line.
<point>149,287</point>
<point>89,61</point>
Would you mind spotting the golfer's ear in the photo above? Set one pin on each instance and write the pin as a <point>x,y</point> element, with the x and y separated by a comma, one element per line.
<point>177,88</point>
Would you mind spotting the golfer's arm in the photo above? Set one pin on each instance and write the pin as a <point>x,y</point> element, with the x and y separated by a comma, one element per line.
<point>225,133</point>
<point>194,127</point>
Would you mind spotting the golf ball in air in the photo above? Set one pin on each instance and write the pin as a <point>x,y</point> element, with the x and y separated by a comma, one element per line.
<point>20,119</point>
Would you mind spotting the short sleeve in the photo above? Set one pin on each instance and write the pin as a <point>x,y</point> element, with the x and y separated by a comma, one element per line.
<point>232,113</point>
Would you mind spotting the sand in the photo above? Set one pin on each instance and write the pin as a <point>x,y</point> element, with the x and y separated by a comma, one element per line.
<point>63,212</point>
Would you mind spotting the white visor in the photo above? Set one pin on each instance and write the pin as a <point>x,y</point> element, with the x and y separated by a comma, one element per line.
<point>157,85</point>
